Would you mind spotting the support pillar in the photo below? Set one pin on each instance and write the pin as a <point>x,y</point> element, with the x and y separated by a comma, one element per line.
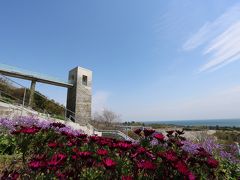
<point>32,90</point>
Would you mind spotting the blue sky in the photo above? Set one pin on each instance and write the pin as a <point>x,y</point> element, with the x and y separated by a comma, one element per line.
<point>151,60</point>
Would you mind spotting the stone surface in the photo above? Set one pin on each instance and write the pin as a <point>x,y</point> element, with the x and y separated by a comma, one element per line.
<point>79,96</point>
<point>32,91</point>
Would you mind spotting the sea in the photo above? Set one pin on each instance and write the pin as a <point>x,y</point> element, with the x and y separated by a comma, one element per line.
<point>212,122</point>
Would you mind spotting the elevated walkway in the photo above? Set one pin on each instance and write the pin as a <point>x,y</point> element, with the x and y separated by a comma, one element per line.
<point>33,76</point>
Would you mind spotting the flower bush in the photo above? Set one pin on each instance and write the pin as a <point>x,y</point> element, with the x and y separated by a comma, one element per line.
<point>53,151</point>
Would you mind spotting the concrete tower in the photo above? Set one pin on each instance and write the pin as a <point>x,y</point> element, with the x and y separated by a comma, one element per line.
<point>79,97</point>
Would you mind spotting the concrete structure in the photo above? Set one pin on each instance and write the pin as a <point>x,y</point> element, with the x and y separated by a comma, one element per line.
<point>79,84</point>
<point>79,96</point>
<point>32,90</point>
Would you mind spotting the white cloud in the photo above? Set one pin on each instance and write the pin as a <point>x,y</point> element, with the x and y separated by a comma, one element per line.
<point>199,38</point>
<point>224,49</point>
<point>221,39</point>
<point>99,101</point>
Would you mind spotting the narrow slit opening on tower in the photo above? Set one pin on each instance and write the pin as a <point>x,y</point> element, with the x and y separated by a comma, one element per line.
<point>84,80</point>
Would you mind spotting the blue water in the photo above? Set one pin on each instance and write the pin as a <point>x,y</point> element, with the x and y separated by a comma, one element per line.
<point>215,122</point>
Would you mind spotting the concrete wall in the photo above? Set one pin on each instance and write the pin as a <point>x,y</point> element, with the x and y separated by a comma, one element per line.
<point>79,97</point>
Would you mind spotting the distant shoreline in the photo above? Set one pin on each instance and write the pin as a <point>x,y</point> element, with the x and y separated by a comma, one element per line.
<point>212,122</point>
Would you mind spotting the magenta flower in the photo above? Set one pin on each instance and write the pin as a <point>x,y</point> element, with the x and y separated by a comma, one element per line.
<point>170,155</point>
<point>191,176</point>
<point>37,164</point>
<point>27,130</point>
<point>84,154</point>
<point>145,164</point>
<point>52,144</point>
<point>14,175</point>
<point>102,152</point>
<point>74,157</point>
<point>57,159</point>
<point>138,131</point>
<point>182,168</point>
<point>148,132</point>
<point>140,150</point>
<point>127,178</point>
<point>202,152</point>
<point>159,137</point>
<point>124,145</point>
<point>212,163</point>
<point>109,163</point>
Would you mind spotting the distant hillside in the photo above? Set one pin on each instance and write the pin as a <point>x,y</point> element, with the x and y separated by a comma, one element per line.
<point>14,95</point>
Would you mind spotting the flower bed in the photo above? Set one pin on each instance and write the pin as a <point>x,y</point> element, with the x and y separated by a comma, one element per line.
<point>51,150</point>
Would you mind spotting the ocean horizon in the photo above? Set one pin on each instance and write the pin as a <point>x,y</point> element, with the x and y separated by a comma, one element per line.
<point>206,122</point>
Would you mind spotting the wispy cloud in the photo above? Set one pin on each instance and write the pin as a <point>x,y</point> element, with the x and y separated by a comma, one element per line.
<point>220,40</point>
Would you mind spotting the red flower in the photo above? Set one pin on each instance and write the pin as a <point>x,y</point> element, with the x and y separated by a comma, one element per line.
<point>191,176</point>
<point>138,131</point>
<point>148,165</point>
<point>36,164</point>
<point>159,136</point>
<point>14,175</point>
<point>140,150</point>
<point>150,155</point>
<point>103,142</point>
<point>109,163</point>
<point>74,157</point>
<point>124,145</point>
<point>202,152</point>
<point>52,144</point>
<point>179,143</point>
<point>27,130</point>
<point>182,168</point>
<point>71,143</point>
<point>148,132</point>
<point>57,159</point>
<point>69,135</point>
<point>212,163</point>
<point>170,155</point>
<point>127,178</point>
<point>94,138</point>
<point>102,152</point>
<point>84,154</point>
